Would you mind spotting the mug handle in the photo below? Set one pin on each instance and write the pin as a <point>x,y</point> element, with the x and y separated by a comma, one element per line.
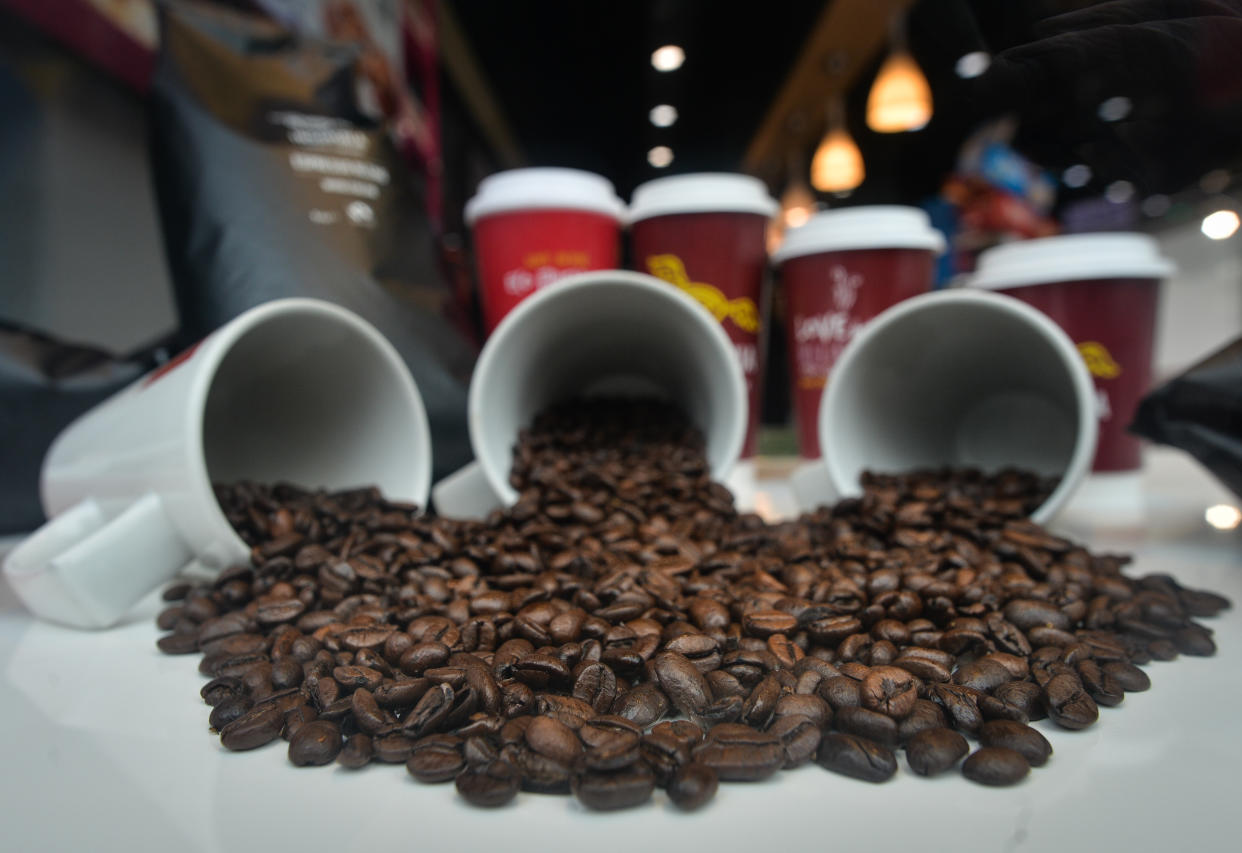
<point>465,494</point>
<point>85,570</point>
<point>811,485</point>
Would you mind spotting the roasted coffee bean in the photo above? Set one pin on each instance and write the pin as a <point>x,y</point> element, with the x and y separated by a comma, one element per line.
<point>759,706</point>
<point>227,711</point>
<point>1195,640</point>
<point>740,754</point>
<point>490,785</point>
<point>257,727</point>
<point>765,623</point>
<point>1068,703</point>
<point>923,716</point>
<point>479,751</point>
<point>1016,736</point>
<point>642,705</point>
<point>297,717</point>
<point>664,753</point>
<point>538,772</point>
<point>554,739</point>
<point>394,748</point>
<point>683,731</point>
<point>356,751</point>
<point>693,786</point>
<point>1023,696</point>
<point>423,656</point>
<point>682,683</point>
<point>869,724</point>
<point>840,692</point>
<point>220,689</point>
<point>1128,676</point>
<point>934,751</point>
<point>350,677</point>
<point>612,751</point>
<point>889,690</point>
<point>960,705</point>
<point>856,757</point>
<point>984,675</point>
<point>799,738</point>
<point>314,744</point>
<point>436,758</point>
<point>995,765</point>
<point>178,643</point>
<point>812,707</point>
<point>1100,685</point>
<point>620,789</point>
<point>596,684</point>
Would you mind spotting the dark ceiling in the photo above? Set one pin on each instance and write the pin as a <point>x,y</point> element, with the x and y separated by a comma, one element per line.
<point>575,83</point>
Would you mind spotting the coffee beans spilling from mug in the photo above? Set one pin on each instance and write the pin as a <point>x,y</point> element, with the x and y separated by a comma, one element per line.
<point>622,628</point>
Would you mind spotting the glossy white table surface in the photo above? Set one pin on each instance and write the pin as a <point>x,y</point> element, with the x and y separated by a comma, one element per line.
<point>105,747</point>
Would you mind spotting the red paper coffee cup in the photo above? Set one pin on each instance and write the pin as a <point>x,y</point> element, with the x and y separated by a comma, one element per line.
<point>535,226</point>
<point>705,234</point>
<point>1102,290</point>
<point>839,270</point>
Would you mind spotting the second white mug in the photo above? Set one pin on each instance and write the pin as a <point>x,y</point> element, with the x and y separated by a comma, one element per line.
<point>609,332</point>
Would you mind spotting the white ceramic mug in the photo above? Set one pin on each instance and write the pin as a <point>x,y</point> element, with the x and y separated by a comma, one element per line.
<point>294,390</point>
<point>955,378</point>
<point>605,332</point>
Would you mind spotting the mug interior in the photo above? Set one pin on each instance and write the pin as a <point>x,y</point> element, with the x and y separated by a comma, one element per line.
<point>952,379</point>
<point>608,333</point>
<point>315,397</point>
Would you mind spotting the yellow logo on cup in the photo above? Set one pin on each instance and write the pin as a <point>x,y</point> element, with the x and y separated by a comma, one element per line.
<point>1099,361</point>
<point>741,310</point>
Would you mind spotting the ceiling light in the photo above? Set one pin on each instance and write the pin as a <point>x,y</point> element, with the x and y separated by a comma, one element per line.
<point>1223,516</point>
<point>1119,192</point>
<point>1220,225</point>
<point>1156,205</point>
<point>900,99</point>
<point>972,64</point>
<point>1114,109</point>
<point>667,58</point>
<point>663,115</point>
<point>838,164</point>
<point>660,156</point>
<point>1078,175</point>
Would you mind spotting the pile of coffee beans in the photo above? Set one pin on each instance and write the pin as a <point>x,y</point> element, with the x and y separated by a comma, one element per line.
<point>622,627</point>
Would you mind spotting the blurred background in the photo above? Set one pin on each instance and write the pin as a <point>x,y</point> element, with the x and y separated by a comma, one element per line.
<point>1035,117</point>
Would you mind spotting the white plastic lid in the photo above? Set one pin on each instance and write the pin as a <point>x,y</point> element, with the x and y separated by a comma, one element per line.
<point>544,189</point>
<point>1071,257</point>
<point>885,226</point>
<point>704,192</point>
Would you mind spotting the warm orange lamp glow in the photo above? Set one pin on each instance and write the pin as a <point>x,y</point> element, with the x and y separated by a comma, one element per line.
<point>838,164</point>
<point>797,204</point>
<point>900,99</point>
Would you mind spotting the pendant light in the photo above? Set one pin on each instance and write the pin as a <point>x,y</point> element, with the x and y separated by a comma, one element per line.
<point>838,164</point>
<point>900,99</point>
<point>797,201</point>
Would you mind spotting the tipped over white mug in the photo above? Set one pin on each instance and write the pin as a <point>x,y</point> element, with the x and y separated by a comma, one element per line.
<point>608,332</point>
<point>957,378</point>
<point>294,390</point>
